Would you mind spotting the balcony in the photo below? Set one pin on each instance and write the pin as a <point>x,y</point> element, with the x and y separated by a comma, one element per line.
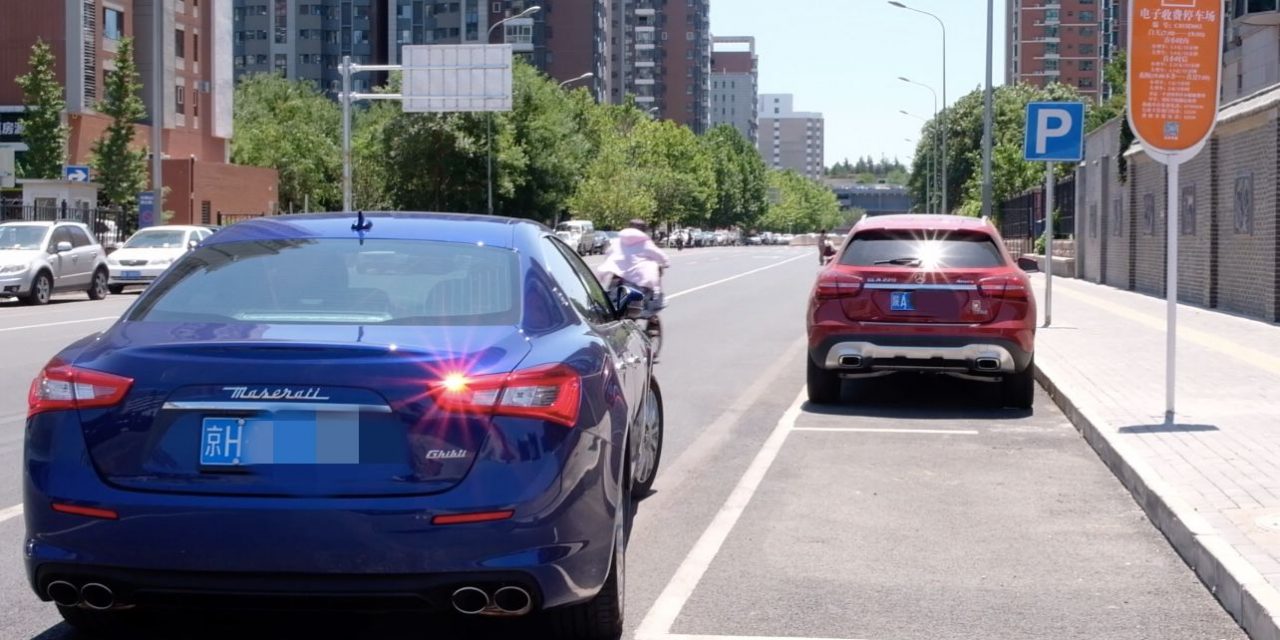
<point>1256,12</point>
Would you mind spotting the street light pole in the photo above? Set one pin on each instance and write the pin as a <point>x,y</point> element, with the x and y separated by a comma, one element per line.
<point>987,122</point>
<point>935,117</point>
<point>944,91</point>
<point>586,76</point>
<point>488,125</point>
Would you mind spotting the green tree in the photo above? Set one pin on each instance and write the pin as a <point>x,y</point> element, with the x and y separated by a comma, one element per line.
<point>121,169</point>
<point>290,126</point>
<point>801,205</point>
<point>42,128</point>
<point>741,183</point>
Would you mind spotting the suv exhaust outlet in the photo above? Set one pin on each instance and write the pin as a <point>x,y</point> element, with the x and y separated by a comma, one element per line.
<point>851,361</point>
<point>988,364</point>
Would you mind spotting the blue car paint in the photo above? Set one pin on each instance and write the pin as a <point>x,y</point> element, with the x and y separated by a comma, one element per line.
<point>564,484</point>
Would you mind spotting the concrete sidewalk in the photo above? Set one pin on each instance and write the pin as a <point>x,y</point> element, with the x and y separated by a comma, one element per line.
<point>1211,481</point>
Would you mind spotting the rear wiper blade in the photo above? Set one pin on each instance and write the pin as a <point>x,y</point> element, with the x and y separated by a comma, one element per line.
<point>900,261</point>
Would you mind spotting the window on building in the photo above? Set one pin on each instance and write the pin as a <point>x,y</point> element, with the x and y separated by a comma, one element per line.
<point>112,24</point>
<point>180,43</point>
<point>180,93</point>
<point>195,47</point>
<point>282,21</point>
<point>1086,65</point>
<point>1088,16</point>
<point>282,64</point>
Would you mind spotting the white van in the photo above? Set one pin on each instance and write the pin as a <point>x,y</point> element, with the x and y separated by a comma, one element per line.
<point>578,234</point>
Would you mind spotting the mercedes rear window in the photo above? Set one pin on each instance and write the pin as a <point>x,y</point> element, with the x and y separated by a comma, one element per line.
<point>338,281</point>
<point>929,249</point>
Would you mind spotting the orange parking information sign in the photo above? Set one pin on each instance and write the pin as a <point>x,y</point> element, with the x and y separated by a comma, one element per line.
<point>1175,58</point>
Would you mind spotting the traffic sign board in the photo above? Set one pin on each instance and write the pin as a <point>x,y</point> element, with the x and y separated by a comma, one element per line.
<point>1055,132</point>
<point>75,173</point>
<point>1175,55</point>
<point>456,78</point>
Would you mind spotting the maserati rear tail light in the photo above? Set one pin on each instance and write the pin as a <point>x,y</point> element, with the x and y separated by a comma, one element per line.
<point>837,284</point>
<point>550,392</point>
<point>1007,287</point>
<point>62,386</point>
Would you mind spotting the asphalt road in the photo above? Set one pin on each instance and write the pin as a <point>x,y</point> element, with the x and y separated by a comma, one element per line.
<point>914,511</point>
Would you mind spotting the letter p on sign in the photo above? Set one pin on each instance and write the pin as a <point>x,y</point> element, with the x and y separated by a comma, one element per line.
<point>1055,132</point>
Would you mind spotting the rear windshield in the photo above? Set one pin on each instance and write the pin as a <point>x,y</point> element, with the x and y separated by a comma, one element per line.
<point>392,282</point>
<point>923,249</point>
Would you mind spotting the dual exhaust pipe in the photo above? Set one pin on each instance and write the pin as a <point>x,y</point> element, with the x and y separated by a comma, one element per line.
<point>93,595</point>
<point>506,601</point>
<point>985,363</point>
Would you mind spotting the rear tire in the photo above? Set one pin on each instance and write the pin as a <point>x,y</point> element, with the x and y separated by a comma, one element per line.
<point>599,618</point>
<point>1018,390</point>
<point>122,625</point>
<point>824,386</point>
<point>649,449</point>
<point>98,285</point>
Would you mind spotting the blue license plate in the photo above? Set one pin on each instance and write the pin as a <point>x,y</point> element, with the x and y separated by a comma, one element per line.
<point>901,301</point>
<point>286,438</point>
<point>131,275</point>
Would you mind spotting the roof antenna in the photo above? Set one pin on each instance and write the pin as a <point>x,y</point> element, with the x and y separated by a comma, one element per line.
<point>362,224</point>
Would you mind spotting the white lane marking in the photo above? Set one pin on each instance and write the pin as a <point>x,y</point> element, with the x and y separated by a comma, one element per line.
<point>10,513</point>
<point>658,622</point>
<point>732,278</point>
<point>58,324</point>
<point>948,432</point>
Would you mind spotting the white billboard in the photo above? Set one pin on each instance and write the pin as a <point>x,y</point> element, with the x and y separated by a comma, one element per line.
<point>451,78</point>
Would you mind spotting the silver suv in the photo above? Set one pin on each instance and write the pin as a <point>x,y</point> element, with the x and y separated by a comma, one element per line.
<point>38,259</point>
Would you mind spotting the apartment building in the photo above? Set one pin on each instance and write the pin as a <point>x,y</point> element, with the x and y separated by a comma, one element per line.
<point>197,88</point>
<point>791,139</point>
<point>1064,41</point>
<point>661,55</point>
<point>735,85</point>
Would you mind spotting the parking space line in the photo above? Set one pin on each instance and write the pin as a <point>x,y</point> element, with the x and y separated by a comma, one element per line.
<point>10,513</point>
<point>58,324</point>
<point>948,432</point>
<point>662,616</point>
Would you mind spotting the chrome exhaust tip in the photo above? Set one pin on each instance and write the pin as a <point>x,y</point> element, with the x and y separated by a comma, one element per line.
<point>851,361</point>
<point>469,601</point>
<point>97,596</point>
<point>63,593</point>
<point>513,601</point>
<point>988,364</point>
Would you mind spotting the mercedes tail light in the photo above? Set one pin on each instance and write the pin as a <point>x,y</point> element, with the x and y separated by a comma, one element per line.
<point>551,392</point>
<point>62,386</point>
<point>1006,287</point>
<point>833,285</point>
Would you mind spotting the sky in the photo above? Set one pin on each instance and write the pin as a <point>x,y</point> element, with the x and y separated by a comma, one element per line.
<point>843,58</point>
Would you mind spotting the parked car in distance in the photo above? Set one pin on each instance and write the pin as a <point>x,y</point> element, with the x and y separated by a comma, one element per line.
<point>458,432</point>
<point>923,293</point>
<point>755,241</point>
<point>579,235</point>
<point>609,238</point>
<point>39,259</point>
<point>150,251</point>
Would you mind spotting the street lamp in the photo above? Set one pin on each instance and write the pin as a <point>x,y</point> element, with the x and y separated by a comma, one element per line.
<point>935,131</point>
<point>586,76</point>
<point>489,114</point>
<point>944,94</point>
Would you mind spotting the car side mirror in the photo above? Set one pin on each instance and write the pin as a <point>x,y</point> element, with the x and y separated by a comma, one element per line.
<point>63,247</point>
<point>628,302</point>
<point>192,244</point>
<point>1028,264</point>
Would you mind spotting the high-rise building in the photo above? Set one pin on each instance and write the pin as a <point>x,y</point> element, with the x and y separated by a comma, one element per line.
<point>197,89</point>
<point>566,38</point>
<point>661,54</point>
<point>734,84</point>
<point>791,139</point>
<point>1065,41</point>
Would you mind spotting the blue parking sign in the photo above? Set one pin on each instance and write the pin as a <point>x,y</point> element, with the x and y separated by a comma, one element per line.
<point>1055,132</point>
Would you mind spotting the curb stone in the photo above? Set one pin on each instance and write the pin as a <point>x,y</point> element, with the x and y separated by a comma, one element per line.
<point>1237,585</point>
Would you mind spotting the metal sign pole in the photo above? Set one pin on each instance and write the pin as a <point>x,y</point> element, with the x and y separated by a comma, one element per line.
<point>1050,185</point>
<point>346,133</point>
<point>1171,294</point>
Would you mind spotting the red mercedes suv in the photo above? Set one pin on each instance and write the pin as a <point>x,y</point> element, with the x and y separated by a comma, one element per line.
<point>925,293</point>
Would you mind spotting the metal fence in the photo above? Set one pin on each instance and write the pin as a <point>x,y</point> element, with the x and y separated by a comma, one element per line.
<point>110,225</point>
<point>1022,216</point>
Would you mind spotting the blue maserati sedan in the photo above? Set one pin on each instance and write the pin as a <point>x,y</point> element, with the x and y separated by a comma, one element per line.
<point>394,411</point>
